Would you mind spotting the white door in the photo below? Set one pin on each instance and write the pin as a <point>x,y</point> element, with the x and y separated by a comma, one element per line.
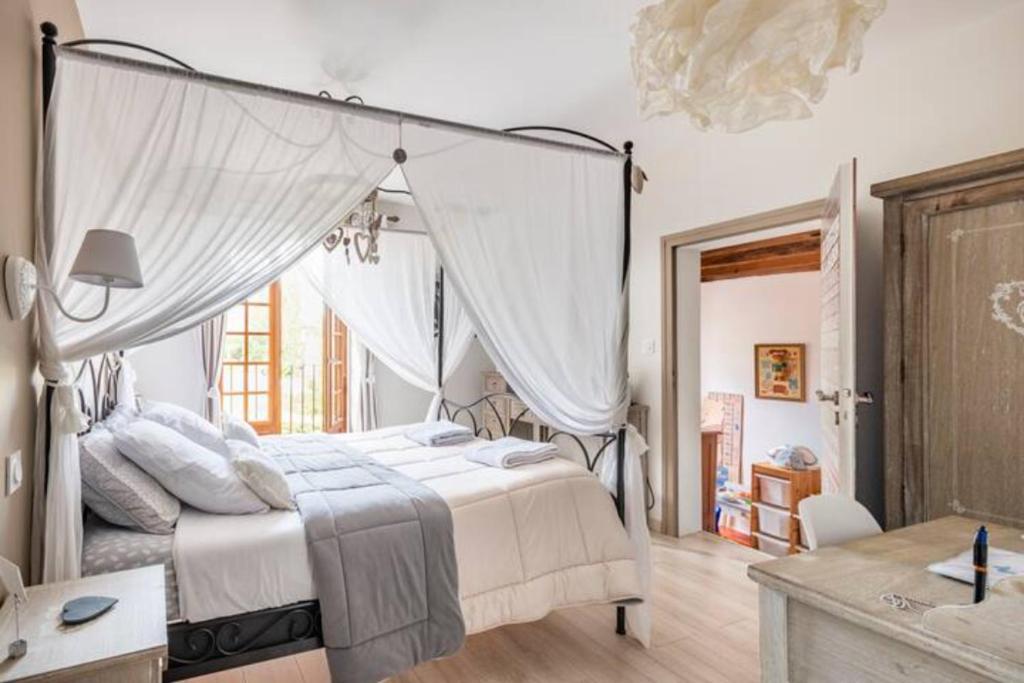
<point>687,263</point>
<point>837,394</point>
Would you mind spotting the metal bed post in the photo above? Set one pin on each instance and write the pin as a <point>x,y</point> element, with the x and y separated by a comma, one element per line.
<point>620,446</point>
<point>439,327</point>
<point>49,72</point>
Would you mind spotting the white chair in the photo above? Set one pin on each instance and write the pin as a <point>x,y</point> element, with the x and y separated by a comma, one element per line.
<point>832,519</point>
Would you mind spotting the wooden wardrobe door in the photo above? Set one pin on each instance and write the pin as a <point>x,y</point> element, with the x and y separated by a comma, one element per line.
<point>963,353</point>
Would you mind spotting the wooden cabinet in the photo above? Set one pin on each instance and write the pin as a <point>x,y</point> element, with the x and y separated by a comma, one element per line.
<point>954,342</point>
<point>775,493</point>
<point>708,475</point>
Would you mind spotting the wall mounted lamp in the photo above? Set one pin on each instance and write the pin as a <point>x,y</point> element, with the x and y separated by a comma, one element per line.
<point>107,258</point>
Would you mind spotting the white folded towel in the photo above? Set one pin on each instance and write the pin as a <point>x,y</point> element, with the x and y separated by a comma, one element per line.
<point>511,451</point>
<point>441,433</point>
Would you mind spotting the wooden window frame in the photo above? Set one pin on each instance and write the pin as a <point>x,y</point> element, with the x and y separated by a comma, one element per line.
<point>273,424</point>
<point>335,373</point>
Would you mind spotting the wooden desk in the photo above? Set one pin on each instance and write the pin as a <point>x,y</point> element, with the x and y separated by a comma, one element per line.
<point>128,644</point>
<point>822,617</point>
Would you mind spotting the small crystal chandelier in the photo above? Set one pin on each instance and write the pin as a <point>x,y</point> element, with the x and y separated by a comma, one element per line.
<point>360,231</point>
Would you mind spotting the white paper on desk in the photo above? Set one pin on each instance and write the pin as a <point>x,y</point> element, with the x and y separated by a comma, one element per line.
<point>1002,564</point>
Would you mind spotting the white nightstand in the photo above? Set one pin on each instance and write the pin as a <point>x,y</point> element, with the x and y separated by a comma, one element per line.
<point>128,643</point>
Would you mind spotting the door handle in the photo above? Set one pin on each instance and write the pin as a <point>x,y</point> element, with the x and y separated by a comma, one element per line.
<point>833,396</point>
<point>867,398</point>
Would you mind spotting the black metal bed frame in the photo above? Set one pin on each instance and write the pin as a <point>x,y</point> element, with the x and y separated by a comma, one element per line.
<point>218,644</point>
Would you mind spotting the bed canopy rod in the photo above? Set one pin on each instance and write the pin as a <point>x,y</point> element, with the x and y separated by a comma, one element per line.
<point>400,116</point>
<point>123,43</point>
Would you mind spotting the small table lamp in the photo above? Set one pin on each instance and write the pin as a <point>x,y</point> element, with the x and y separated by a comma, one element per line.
<point>10,579</point>
<point>107,258</point>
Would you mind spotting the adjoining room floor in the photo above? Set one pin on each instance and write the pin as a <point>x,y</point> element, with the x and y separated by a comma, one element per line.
<point>705,631</point>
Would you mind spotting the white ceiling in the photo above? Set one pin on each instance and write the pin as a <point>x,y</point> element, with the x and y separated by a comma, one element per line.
<point>496,63</point>
<point>490,62</point>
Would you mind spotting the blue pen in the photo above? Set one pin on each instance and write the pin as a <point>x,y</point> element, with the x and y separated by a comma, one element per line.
<point>980,563</point>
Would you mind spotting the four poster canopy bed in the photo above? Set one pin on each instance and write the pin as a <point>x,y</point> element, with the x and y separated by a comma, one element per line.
<point>385,551</point>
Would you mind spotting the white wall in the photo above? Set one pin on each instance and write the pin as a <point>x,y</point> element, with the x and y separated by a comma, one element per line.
<point>929,93</point>
<point>171,370</point>
<point>773,309</point>
<point>398,402</point>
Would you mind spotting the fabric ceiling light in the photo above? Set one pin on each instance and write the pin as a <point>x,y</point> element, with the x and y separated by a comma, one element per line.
<point>733,65</point>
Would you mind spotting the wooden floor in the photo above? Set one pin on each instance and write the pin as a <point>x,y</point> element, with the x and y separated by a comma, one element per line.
<point>705,631</point>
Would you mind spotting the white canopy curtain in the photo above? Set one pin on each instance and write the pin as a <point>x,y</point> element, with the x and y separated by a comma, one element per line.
<point>390,307</point>
<point>222,186</point>
<point>532,241</point>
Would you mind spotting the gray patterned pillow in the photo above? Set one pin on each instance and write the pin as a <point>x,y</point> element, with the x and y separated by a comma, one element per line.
<point>118,491</point>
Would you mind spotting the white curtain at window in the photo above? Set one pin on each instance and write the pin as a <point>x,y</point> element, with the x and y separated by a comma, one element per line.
<point>362,387</point>
<point>390,306</point>
<point>211,347</point>
<point>532,242</point>
<point>222,186</point>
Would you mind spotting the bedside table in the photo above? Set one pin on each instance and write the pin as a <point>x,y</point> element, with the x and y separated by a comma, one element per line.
<point>126,644</point>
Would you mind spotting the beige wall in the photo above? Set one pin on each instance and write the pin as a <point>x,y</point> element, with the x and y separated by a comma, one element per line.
<point>940,83</point>
<point>19,82</point>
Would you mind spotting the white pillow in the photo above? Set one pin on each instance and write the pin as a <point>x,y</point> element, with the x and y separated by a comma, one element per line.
<point>262,473</point>
<point>186,423</point>
<point>119,418</point>
<point>194,474</point>
<point>240,430</point>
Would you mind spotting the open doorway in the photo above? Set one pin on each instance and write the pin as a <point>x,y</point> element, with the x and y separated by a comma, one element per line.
<point>684,501</point>
<point>760,330</point>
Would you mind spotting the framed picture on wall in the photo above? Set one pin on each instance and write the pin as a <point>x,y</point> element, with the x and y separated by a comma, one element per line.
<point>780,371</point>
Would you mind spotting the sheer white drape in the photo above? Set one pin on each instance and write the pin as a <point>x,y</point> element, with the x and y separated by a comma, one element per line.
<point>211,346</point>
<point>532,242</point>
<point>222,187</point>
<point>362,387</point>
<point>531,239</point>
<point>390,306</point>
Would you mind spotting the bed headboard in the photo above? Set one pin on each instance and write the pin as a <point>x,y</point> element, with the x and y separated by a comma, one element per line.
<point>96,383</point>
<point>492,424</point>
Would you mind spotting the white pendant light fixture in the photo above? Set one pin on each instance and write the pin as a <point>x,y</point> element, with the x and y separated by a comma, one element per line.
<point>733,65</point>
<point>107,258</point>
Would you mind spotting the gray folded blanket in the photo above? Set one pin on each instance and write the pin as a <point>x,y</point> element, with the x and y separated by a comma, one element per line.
<point>382,549</point>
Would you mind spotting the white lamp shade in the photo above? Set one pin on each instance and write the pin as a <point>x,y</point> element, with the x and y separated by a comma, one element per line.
<point>108,258</point>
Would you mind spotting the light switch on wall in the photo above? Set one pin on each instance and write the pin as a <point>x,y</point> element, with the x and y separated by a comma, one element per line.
<point>647,347</point>
<point>14,473</point>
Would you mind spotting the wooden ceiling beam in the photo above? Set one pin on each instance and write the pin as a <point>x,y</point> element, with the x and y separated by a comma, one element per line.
<point>799,252</point>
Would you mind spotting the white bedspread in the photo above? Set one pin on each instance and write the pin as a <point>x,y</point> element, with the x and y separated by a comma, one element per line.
<point>231,564</point>
<point>527,540</point>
